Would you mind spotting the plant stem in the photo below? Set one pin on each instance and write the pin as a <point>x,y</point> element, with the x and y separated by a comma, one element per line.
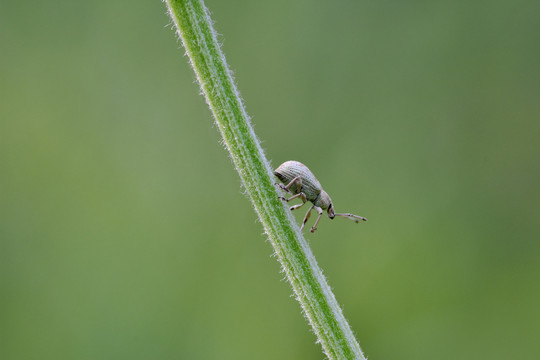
<point>194,26</point>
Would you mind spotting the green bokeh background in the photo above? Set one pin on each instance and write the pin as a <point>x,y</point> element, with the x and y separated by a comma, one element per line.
<point>124,233</point>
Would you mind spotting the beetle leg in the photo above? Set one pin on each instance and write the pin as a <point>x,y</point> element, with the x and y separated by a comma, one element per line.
<point>301,195</point>
<point>308,214</point>
<point>304,200</point>
<point>282,187</point>
<point>319,210</point>
<point>352,217</point>
<point>298,181</point>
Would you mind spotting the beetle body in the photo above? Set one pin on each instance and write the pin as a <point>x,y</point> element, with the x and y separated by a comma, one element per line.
<point>311,187</point>
<point>300,181</point>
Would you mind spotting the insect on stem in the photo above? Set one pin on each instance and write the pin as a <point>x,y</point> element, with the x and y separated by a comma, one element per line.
<point>302,183</point>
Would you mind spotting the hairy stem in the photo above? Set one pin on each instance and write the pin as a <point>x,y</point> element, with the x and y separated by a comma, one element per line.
<point>194,26</point>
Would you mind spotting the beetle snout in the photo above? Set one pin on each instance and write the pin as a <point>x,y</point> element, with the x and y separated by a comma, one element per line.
<point>331,213</point>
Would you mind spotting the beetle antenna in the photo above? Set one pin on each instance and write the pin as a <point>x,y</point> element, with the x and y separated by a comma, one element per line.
<point>352,217</point>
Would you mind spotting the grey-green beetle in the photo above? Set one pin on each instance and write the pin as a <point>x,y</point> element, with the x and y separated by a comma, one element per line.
<point>300,181</point>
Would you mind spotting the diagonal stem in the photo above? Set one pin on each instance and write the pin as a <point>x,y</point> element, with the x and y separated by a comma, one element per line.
<point>194,27</point>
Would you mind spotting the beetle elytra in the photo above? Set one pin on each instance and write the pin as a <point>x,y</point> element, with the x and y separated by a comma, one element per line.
<point>298,180</point>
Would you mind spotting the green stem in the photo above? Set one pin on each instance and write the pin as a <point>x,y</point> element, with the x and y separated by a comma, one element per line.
<point>192,20</point>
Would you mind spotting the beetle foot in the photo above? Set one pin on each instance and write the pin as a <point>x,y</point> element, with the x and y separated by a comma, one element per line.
<point>313,229</point>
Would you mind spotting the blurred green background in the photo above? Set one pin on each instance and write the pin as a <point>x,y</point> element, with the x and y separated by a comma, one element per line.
<point>124,233</point>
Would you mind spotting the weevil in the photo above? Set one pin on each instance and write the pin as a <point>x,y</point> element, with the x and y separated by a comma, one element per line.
<point>298,180</point>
